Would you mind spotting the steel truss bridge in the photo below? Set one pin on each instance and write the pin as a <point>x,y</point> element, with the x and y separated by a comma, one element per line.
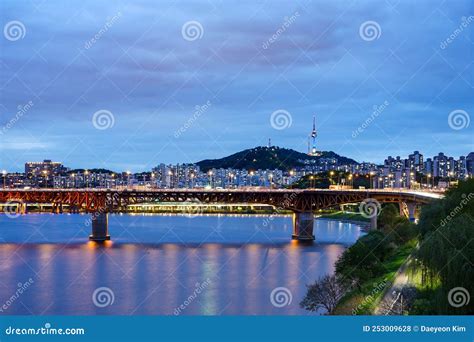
<point>100,202</point>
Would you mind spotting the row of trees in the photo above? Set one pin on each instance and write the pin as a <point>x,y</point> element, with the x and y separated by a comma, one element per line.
<point>362,261</point>
<point>446,253</point>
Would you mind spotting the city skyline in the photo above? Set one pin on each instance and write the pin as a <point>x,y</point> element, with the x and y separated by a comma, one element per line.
<point>158,162</point>
<point>193,97</point>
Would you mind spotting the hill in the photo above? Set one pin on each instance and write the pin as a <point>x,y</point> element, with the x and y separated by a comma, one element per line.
<point>269,158</point>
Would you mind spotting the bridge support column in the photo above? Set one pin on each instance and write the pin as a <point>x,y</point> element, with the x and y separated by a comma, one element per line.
<point>22,208</point>
<point>411,206</point>
<point>303,226</point>
<point>401,206</point>
<point>373,221</point>
<point>100,227</point>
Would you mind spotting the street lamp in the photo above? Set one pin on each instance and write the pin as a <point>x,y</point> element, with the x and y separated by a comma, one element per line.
<point>128,178</point>
<point>45,173</point>
<point>371,173</point>
<point>86,178</point>
<point>311,181</point>
<point>73,176</point>
<point>210,177</point>
<point>251,173</point>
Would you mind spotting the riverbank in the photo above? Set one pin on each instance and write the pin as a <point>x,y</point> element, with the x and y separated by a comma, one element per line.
<point>346,217</point>
<point>365,299</point>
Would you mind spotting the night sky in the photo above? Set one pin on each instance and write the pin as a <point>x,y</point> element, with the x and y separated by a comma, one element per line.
<point>127,85</point>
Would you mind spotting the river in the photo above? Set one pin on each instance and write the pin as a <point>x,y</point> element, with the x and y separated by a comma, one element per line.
<point>163,264</point>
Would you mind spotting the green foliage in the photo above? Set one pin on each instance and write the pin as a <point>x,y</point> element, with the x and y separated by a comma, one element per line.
<point>363,260</point>
<point>447,245</point>
<point>403,231</point>
<point>324,179</point>
<point>389,214</point>
<point>268,158</point>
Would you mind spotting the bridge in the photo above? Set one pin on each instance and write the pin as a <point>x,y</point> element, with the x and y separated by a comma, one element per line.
<point>303,203</point>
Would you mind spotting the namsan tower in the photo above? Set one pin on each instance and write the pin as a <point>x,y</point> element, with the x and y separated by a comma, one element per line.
<point>312,151</point>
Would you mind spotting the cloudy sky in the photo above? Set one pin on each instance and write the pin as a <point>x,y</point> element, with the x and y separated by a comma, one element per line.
<point>127,85</point>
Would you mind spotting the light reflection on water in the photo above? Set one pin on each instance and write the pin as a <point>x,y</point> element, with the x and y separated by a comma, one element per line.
<point>154,264</point>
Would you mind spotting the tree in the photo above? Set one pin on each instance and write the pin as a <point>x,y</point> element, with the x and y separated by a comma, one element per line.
<point>404,231</point>
<point>388,216</point>
<point>325,293</point>
<point>447,247</point>
<point>363,260</point>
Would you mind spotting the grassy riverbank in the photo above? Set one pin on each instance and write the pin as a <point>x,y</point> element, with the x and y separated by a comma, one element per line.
<point>344,216</point>
<point>364,299</point>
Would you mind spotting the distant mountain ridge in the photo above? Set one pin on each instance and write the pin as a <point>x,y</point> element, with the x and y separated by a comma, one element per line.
<point>268,158</point>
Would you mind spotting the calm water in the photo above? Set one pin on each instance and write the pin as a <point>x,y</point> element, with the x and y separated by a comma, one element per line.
<point>227,265</point>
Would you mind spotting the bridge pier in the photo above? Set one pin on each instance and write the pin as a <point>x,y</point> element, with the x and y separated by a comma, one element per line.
<point>411,206</point>
<point>100,227</point>
<point>373,222</point>
<point>22,208</point>
<point>303,226</point>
